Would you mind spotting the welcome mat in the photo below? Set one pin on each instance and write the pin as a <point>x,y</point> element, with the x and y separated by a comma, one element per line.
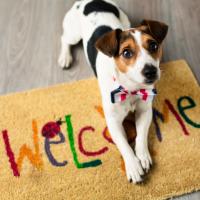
<point>54,143</point>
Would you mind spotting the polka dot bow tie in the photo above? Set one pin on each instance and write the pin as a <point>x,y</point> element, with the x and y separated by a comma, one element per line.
<point>121,94</point>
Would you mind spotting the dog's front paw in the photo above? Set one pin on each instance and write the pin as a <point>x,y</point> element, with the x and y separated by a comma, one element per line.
<point>134,169</point>
<point>145,158</point>
<point>65,60</point>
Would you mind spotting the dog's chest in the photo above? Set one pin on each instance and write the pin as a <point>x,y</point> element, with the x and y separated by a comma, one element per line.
<point>130,104</point>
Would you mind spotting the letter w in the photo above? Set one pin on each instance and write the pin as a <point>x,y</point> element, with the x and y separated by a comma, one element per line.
<point>25,151</point>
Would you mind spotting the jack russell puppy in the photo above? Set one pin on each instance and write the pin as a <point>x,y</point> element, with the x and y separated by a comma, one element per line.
<point>126,63</point>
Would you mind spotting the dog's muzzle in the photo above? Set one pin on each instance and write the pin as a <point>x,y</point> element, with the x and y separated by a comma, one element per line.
<point>150,73</point>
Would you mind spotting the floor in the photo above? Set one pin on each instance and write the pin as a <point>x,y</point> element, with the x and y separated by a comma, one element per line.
<point>30,40</point>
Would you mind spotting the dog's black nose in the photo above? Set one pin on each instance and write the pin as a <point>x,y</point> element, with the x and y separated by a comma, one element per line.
<point>150,73</point>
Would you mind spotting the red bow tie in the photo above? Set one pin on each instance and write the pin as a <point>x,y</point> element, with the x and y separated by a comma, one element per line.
<point>121,94</point>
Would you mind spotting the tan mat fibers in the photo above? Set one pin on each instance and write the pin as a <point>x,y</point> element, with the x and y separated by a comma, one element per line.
<point>80,161</point>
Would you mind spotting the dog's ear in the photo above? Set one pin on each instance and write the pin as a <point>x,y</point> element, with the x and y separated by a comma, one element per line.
<point>109,43</point>
<point>158,30</point>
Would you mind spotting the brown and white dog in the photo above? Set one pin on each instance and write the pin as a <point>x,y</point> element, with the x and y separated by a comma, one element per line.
<point>126,61</point>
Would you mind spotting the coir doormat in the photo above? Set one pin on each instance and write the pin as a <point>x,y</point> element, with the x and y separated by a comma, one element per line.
<point>54,143</point>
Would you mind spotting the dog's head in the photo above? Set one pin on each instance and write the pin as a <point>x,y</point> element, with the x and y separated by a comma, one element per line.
<point>137,52</point>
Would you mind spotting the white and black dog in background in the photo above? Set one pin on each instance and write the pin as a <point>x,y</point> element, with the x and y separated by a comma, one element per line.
<point>126,62</point>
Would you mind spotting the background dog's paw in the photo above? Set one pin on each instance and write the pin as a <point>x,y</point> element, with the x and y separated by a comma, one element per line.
<point>134,170</point>
<point>145,159</point>
<point>65,61</point>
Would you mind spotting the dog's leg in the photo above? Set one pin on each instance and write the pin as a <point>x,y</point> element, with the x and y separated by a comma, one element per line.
<point>143,120</point>
<point>132,164</point>
<point>71,35</point>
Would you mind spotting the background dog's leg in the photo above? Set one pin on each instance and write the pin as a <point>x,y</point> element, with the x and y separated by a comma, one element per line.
<point>132,165</point>
<point>124,20</point>
<point>65,58</point>
<point>143,120</point>
<point>71,35</point>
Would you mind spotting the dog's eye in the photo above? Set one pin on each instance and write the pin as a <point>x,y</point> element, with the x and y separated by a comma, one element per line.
<point>127,53</point>
<point>153,46</point>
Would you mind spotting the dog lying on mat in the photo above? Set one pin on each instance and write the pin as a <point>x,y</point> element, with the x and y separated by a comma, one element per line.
<point>126,62</point>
